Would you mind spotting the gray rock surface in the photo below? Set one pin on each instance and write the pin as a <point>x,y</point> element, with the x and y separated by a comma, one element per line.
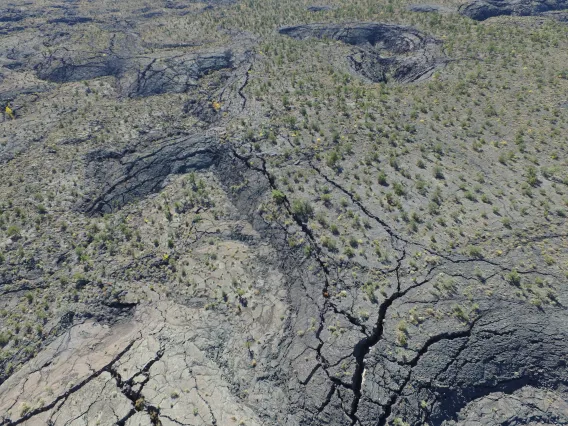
<point>122,177</point>
<point>413,55</point>
<point>532,405</point>
<point>452,369</point>
<point>139,76</point>
<point>12,15</point>
<point>481,10</point>
<point>173,263</point>
<point>430,8</point>
<point>323,8</point>
<point>178,74</point>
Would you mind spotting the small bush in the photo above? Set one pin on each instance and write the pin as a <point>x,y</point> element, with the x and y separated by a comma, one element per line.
<point>329,243</point>
<point>438,172</point>
<point>302,209</point>
<point>349,252</point>
<point>514,278</point>
<point>4,339</point>
<point>278,196</point>
<point>139,405</point>
<point>475,252</point>
<point>332,159</point>
<point>532,179</point>
<point>14,231</point>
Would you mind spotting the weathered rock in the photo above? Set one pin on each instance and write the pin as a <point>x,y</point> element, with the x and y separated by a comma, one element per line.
<point>324,8</point>
<point>528,405</point>
<point>176,75</point>
<point>561,16</point>
<point>71,20</point>
<point>67,69</point>
<point>481,10</point>
<point>216,302</point>
<point>429,8</point>
<point>121,177</point>
<point>456,369</point>
<point>130,374</point>
<point>12,15</point>
<point>413,55</point>
<point>396,38</point>
<point>139,76</point>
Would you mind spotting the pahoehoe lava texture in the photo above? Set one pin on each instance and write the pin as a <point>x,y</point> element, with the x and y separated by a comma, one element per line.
<point>122,177</point>
<point>138,76</point>
<point>177,75</point>
<point>413,55</point>
<point>481,10</point>
<point>429,8</point>
<point>496,355</point>
<point>65,68</point>
<point>202,222</point>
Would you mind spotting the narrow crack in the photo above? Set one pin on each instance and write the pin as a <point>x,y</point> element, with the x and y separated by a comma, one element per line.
<point>126,387</point>
<point>63,397</point>
<point>363,347</point>
<point>383,418</point>
<point>242,87</point>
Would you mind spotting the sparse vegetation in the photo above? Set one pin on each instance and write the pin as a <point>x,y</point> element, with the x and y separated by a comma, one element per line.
<point>273,191</point>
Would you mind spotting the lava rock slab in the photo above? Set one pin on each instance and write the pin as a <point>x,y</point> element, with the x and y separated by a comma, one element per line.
<point>480,10</point>
<point>429,8</point>
<point>412,55</point>
<point>122,177</point>
<point>317,8</point>
<point>178,74</point>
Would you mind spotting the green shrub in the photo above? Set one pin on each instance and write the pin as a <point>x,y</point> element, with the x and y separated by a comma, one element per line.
<point>4,339</point>
<point>438,172</point>
<point>14,231</point>
<point>514,278</point>
<point>329,243</point>
<point>80,280</point>
<point>334,229</point>
<point>399,189</point>
<point>332,159</point>
<point>353,242</point>
<point>278,196</point>
<point>475,252</point>
<point>532,179</point>
<point>302,209</point>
